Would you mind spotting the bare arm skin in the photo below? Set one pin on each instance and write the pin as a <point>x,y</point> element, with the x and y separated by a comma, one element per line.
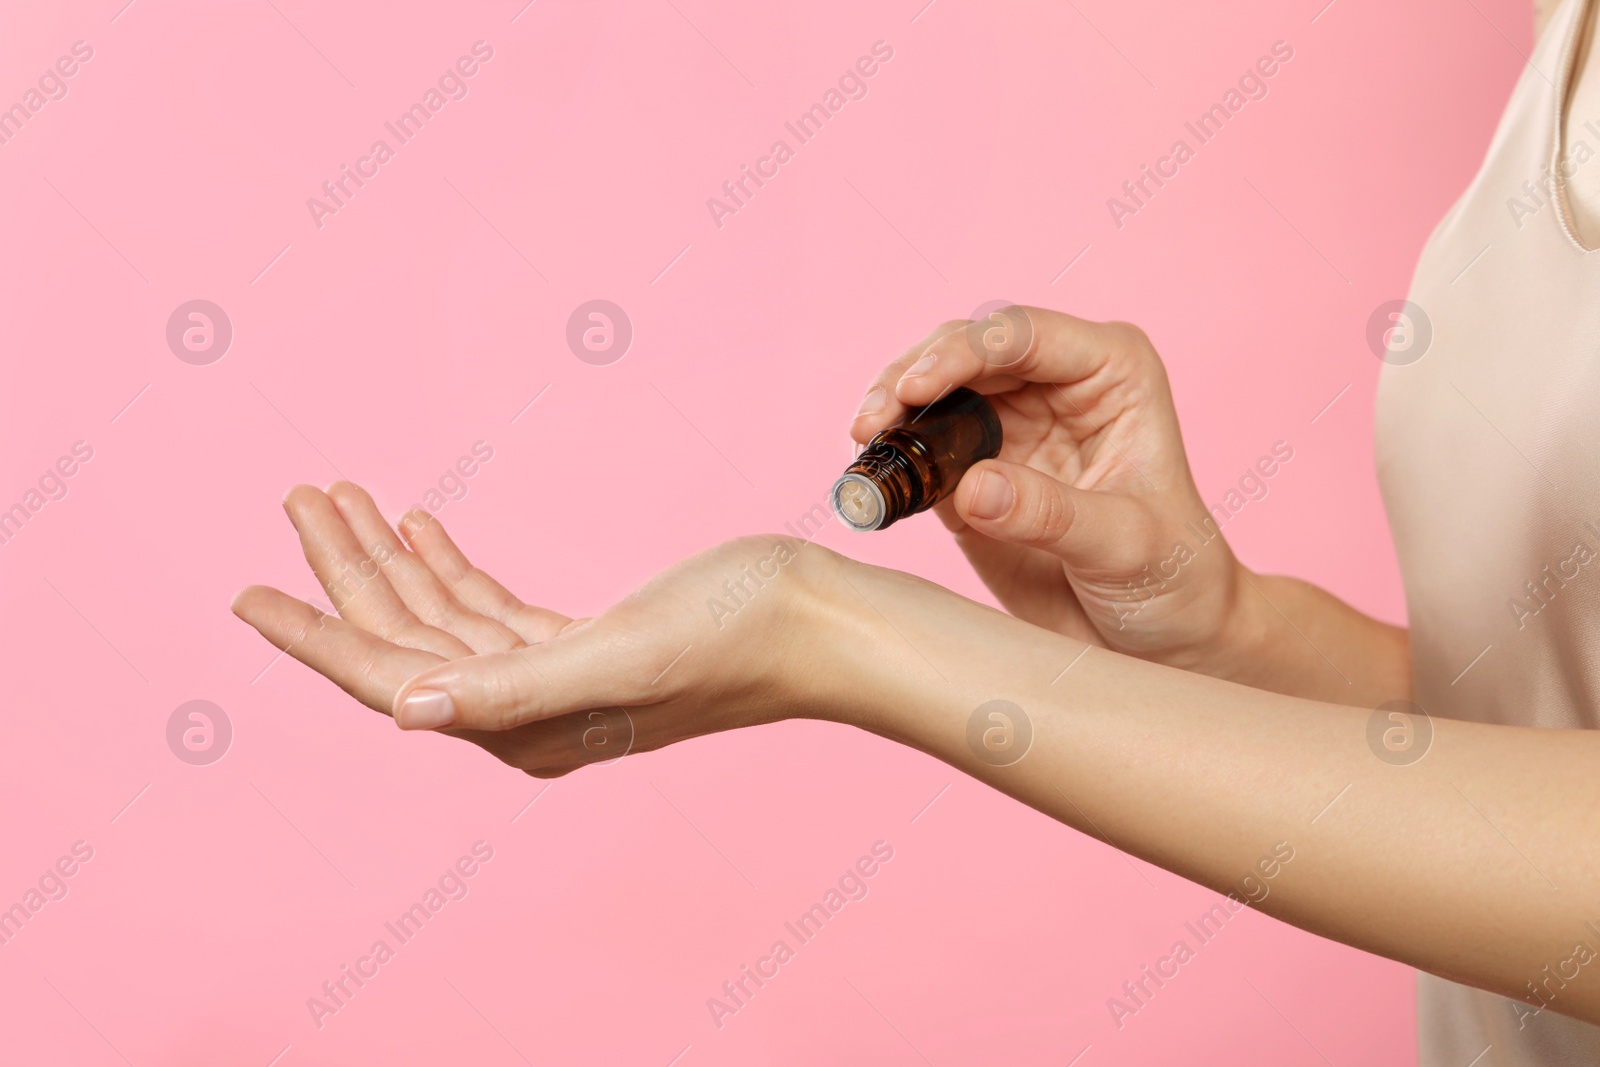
<point>1205,778</point>
<point>1478,862</point>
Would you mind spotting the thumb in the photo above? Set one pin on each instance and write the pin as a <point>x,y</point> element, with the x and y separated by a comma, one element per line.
<point>1089,529</point>
<point>584,667</point>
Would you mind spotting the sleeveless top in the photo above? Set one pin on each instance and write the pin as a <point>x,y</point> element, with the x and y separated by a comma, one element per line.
<point>1487,417</point>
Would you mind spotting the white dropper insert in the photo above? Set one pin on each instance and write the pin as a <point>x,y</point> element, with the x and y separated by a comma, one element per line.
<point>859,502</point>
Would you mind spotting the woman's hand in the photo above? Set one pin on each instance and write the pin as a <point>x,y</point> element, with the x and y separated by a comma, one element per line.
<point>1089,522</point>
<point>713,643</point>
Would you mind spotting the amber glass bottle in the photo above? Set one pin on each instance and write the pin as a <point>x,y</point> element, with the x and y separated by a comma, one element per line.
<point>913,465</point>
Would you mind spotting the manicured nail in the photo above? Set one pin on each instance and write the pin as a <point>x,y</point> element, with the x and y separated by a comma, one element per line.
<point>425,709</point>
<point>922,366</point>
<point>992,496</point>
<point>873,402</point>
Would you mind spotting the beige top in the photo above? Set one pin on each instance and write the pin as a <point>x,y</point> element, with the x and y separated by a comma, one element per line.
<point>1487,455</point>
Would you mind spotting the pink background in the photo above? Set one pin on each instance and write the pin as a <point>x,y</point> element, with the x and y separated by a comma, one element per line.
<point>428,312</point>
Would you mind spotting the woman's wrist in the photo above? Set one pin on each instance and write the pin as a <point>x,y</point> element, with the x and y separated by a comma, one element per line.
<point>907,659</point>
<point>1247,646</point>
<point>1288,636</point>
<point>840,662</point>
<point>1242,643</point>
<point>1217,631</point>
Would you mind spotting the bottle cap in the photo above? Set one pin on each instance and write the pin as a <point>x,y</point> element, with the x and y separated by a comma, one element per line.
<point>859,502</point>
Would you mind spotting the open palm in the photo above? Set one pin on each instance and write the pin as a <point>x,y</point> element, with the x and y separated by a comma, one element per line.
<point>408,606</point>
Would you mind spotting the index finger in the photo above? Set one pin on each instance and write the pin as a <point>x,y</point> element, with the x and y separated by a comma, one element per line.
<point>1017,344</point>
<point>879,406</point>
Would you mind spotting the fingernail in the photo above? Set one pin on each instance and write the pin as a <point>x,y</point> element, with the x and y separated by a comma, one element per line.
<point>873,402</point>
<point>425,709</point>
<point>922,366</point>
<point>991,497</point>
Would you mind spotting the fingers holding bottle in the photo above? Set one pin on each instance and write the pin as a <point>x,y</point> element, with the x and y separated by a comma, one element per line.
<point>880,406</point>
<point>1011,346</point>
<point>1088,510</point>
<point>1062,386</point>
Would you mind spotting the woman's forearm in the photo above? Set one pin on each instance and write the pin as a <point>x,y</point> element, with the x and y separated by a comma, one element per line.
<point>1477,861</point>
<point>1288,636</point>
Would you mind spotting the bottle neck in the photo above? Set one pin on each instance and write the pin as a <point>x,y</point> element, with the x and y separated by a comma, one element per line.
<point>887,462</point>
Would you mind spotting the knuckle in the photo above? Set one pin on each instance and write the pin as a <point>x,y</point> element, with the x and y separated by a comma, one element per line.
<point>512,639</point>
<point>414,522</point>
<point>457,571</point>
<point>500,701</point>
<point>302,630</point>
<point>442,613</point>
<point>942,334</point>
<point>366,668</point>
<point>307,623</point>
<point>1129,334</point>
<point>1133,348</point>
<point>405,629</point>
<point>1135,345</point>
<point>1047,517</point>
<point>505,700</point>
<point>343,492</point>
<point>1132,339</point>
